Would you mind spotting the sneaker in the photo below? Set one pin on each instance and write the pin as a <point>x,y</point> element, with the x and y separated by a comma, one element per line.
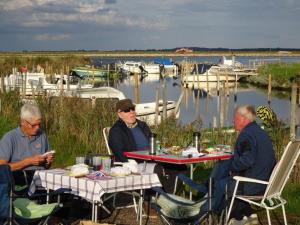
<point>234,221</point>
<point>252,219</point>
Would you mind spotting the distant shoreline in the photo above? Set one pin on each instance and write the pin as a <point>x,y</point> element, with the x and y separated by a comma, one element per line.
<point>146,54</point>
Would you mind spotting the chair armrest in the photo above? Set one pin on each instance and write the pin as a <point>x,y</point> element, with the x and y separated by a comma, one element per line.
<point>53,193</point>
<point>251,180</point>
<point>160,191</point>
<point>199,187</point>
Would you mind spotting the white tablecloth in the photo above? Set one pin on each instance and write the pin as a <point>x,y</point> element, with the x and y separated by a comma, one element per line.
<point>89,189</point>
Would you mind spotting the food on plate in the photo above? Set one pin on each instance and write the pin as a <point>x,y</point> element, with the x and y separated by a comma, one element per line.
<point>208,150</point>
<point>175,150</point>
<point>79,170</point>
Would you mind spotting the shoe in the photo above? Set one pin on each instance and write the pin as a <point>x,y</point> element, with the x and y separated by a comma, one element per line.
<point>252,219</point>
<point>234,221</point>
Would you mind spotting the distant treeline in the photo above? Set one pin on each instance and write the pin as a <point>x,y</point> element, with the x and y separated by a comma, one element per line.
<point>195,49</point>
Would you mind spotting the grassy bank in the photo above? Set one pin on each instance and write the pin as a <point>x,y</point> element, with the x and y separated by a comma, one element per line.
<point>282,75</point>
<point>74,127</point>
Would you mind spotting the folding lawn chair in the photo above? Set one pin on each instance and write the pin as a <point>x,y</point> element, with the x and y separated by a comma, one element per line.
<point>272,198</point>
<point>174,209</point>
<point>133,193</point>
<point>19,210</point>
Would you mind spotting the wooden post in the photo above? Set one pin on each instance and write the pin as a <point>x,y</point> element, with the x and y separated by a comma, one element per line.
<point>218,83</point>
<point>156,106</point>
<point>198,78</point>
<point>62,82</point>
<point>197,102</point>
<point>235,88</point>
<point>221,121</point>
<point>108,74</point>
<point>68,77</point>
<point>2,83</point>
<point>136,88</point>
<point>207,82</point>
<point>269,88</point>
<point>179,101</point>
<point>293,111</point>
<point>227,85</point>
<point>24,83</point>
<point>194,76</point>
<point>164,96</point>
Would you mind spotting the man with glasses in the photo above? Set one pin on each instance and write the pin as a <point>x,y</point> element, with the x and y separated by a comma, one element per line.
<point>131,134</point>
<point>24,147</point>
<point>128,133</point>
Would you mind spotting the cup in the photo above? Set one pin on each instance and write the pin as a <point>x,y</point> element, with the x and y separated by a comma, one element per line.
<point>80,160</point>
<point>96,163</point>
<point>106,163</point>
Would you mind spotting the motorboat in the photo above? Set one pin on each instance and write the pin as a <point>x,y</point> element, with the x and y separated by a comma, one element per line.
<point>130,67</point>
<point>145,111</point>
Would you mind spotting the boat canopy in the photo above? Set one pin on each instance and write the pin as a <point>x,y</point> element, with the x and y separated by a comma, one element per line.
<point>202,68</point>
<point>163,61</point>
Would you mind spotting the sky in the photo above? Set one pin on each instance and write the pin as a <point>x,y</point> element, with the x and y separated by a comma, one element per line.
<point>147,24</point>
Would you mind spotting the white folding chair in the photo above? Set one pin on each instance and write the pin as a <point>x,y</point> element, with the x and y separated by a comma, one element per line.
<point>133,193</point>
<point>272,198</point>
<point>105,135</point>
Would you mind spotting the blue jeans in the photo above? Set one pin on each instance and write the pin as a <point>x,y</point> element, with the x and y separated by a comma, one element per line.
<point>221,178</point>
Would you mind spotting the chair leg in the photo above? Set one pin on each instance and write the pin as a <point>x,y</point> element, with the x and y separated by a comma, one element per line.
<point>231,203</point>
<point>269,218</point>
<point>284,215</point>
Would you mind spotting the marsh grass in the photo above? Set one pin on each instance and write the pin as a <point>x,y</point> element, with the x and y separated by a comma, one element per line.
<point>282,74</point>
<point>52,65</point>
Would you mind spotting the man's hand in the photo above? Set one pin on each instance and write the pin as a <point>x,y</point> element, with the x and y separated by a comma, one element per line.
<point>36,160</point>
<point>49,158</point>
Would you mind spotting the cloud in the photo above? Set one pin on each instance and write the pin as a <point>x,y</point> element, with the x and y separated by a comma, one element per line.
<point>51,37</point>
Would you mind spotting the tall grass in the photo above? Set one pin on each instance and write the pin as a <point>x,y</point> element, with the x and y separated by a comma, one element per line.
<point>282,74</point>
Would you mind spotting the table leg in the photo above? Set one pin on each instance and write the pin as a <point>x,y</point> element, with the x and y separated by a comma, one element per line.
<point>93,211</point>
<point>96,212</point>
<point>141,207</point>
<point>47,198</point>
<point>191,176</point>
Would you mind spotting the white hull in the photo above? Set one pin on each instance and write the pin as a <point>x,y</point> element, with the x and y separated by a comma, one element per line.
<point>130,67</point>
<point>36,83</point>
<point>151,68</point>
<point>194,78</point>
<point>146,111</point>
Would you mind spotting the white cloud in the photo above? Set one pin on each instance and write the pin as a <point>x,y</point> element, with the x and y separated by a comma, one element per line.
<point>51,37</point>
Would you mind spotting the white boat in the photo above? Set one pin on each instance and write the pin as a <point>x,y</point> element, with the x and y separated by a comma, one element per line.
<point>151,68</point>
<point>144,111</point>
<point>35,83</point>
<point>209,73</point>
<point>130,67</point>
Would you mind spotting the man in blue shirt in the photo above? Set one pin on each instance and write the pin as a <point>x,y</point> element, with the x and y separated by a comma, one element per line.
<point>24,147</point>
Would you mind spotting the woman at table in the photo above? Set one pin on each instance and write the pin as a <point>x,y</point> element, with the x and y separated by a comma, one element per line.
<point>131,134</point>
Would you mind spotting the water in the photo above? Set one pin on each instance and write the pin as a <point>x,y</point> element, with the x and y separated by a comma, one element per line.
<point>200,106</point>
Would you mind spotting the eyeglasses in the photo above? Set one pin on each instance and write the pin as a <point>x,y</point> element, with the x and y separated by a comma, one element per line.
<point>33,125</point>
<point>128,110</point>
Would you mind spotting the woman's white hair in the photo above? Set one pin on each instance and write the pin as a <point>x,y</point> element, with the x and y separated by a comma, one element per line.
<point>30,111</point>
<point>247,111</point>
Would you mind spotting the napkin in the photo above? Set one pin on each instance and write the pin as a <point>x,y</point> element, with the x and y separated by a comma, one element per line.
<point>79,170</point>
<point>191,151</point>
<point>131,165</point>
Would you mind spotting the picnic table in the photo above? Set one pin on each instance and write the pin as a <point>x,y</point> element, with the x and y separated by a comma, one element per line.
<point>94,190</point>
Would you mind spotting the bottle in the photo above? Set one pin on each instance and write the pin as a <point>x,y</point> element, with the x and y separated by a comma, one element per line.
<point>152,143</point>
<point>158,147</point>
<point>196,140</point>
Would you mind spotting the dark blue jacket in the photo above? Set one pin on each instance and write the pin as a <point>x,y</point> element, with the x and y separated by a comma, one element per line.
<point>121,139</point>
<point>253,157</point>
